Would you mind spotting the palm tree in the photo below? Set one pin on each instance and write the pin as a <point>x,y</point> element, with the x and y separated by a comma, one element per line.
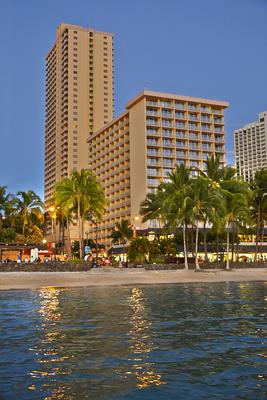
<point>29,206</point>
<point>205,203</point>
<point>259,203</point>
<point>176,202</point>
<point>151,208</point>
<point>138,250</point>
<point>6,202</point>
<point>2,203</point>
<point>236,210</point>
<point>81,193</point>
<point>122,232</point>
<point>222,179</point>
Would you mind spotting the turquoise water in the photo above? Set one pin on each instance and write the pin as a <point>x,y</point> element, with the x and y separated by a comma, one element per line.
<point>197,341</point>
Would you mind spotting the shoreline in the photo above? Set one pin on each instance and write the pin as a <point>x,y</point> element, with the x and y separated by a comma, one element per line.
<point>93,278</point>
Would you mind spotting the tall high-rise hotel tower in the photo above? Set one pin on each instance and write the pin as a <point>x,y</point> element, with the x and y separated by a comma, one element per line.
<point>79,99</point>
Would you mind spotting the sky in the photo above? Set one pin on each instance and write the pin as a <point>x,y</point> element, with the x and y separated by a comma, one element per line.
<point>214,49</point>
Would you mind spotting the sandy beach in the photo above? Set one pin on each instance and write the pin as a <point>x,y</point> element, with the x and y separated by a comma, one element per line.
<point>30,280</point>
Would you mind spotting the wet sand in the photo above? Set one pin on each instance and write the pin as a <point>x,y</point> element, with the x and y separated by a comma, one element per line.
<point>111,277</point>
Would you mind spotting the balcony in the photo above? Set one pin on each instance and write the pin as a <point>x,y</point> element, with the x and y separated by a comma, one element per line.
<point>216,111</point>
<point>152,113</point>
<point>152,132</point>
<point>206,146</point>
<point>166,133</point>
<point>152,161</point>
<point>193,154</point>
<point>180,125</point>
<point>206,137</point>
<point>152,122</point>
<point>167,153</point>
<point>181,154</point>
<point>167,162</point>
<point>179,106</point>
<point>180,115</point>
<point>166,142</point>
<point>192,108</point>
<point>180,144</point>
<point>152,142</point>
<point>219,140</point>
<point>193,136</point>
<point>167,171</point>
<point>152,172</point>
<point>193,126</point>
<point>180,135</point>
<point>152,182</point>
<point>166,104</point>
<point>193,145</point>
<point>218,120</point>
<point>193,117</point>
<point>205,109</point>
<point>152,152</point>
<point>152,103</point>
<point>167,124</point>
<point>206,128</point>
<point>166,115</point>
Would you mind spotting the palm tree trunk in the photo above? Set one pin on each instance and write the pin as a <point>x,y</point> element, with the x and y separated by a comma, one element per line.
<point>68,232</point>
<point>257,235</point>
<point>237,250</point>
<point>262,238</point>
<point>205,241</point>
<point>196,249</point>
<point>227,249</point>
<point>82,237</point>
<point>217,247</point>
<point>185,247</point>
<point>79,230</point>
<point>232,244</point>
<point>63,236</point>
<point>96,239</point>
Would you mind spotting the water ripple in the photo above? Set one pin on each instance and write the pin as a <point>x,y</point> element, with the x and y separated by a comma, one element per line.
<point>164,342</point>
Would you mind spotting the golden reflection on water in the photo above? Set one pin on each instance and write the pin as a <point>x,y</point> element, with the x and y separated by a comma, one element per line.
<point>142,343</point>
<point>49,303</point>
<point>48,350</point>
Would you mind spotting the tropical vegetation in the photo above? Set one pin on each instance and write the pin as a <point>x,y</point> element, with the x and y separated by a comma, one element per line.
<point>217,198</point>
<point>21,217</point>
<point>193,206</point>
<point>81,197</point>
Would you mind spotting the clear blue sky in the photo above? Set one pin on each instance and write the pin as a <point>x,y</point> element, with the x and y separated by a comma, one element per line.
<point>205,48</point>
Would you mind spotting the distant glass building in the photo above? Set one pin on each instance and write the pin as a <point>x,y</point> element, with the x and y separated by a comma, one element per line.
<point>251,147</point>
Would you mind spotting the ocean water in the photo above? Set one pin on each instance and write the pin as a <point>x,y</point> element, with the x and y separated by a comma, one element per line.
<point>195,341</point>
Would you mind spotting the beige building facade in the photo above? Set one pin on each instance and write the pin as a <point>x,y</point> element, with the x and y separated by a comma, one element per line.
<point>79,100</point>
<point>133,153</point>
<point>251,147</point>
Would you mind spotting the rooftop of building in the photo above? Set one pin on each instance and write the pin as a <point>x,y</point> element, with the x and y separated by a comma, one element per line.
<point>252,124</point>
<point>64,25</point>
<point>170,96</point>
